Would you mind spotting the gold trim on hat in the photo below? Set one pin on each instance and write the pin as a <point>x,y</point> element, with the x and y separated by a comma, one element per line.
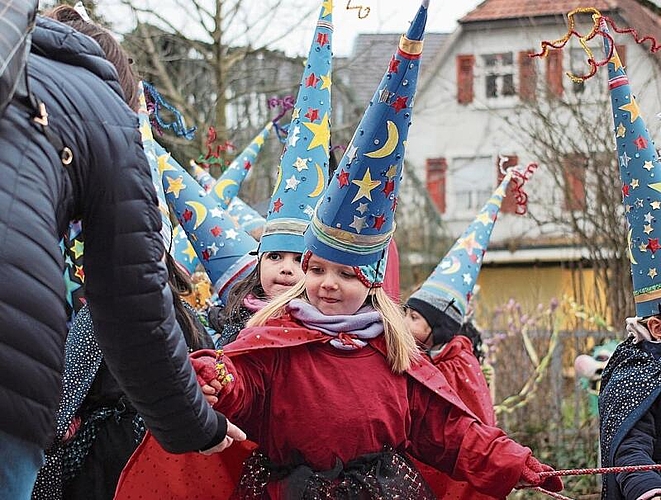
<point>352,238</point>
<point>287,226</point>
<point>412,47</point>
<point>646,297</point>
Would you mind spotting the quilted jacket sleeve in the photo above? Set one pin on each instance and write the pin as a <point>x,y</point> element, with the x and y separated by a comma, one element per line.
<point>126,290</point>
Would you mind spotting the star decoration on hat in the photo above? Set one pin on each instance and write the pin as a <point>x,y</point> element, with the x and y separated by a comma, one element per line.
<point>469,243</point>
<point>301,164</point>
<point>175,185</point>
<point>632,108</point>
<point>365,187</point>
<point>292,183</point>
<point>321,132</point>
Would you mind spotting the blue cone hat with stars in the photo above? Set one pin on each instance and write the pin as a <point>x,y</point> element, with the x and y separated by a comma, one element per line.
<point>354,221</point>
<point>640,173</point>
<point>228,184</point>
<point>222,247</point>
<point>302,173</point>
<point>203,177</point>
<point>182,251</point>
<point>248,218</point>
<point>449,288</point>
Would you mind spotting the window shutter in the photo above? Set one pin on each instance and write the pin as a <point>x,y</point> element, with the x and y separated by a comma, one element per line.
<point>436,169</point>
<point>573,173</point>
<point>554,73</point>
<point>527,77</point>
<point>508,205</point>
<point>465,78</point>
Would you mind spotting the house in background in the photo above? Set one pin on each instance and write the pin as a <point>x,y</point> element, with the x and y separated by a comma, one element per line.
<point>477,102</point>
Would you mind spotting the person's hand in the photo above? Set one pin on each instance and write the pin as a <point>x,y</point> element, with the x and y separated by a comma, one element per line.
<point>233,434</point>
<point>211,391</point>
<point>530,476</point>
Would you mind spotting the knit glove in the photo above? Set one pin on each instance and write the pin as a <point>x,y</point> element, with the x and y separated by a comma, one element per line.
<point>530,476</point>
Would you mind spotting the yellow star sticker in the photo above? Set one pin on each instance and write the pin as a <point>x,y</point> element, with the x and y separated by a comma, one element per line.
<point>327,5</point>
<point>77,248</point>
<point>365,186</point>
<point>656,205</point>
<point>621,130</point>
<point>615,60</point>
<point>648,165</point>
<point>648,229</point>
<point>484,218</point>
<point>468,243</point>
<point>321,133</point>
<point>190,252</point>
<point>652,272</point>
<point>163,165</point>
<point>325,82</point>
<point>259,140</point>
<point>175,185</point>
<point>634,183</point>
<point>642,247</point>
<point>392,172</point>
<point>632,109</point>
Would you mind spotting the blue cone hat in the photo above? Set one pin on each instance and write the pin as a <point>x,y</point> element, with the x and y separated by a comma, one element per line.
<point>640,173</point>
<point>354,221</point>
<point>182,251</point>
<point>228,184</point>
<point>222,247</point>
<point>204,178</point>
<point>449,288</point>
<point>302,173</point>
<point>150,146</point>
<point>248,218</point>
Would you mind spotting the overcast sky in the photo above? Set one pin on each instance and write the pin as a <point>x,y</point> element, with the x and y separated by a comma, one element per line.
<point>385,16</point>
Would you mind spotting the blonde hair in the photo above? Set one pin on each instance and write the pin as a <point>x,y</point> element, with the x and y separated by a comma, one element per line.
<point>400,344</point>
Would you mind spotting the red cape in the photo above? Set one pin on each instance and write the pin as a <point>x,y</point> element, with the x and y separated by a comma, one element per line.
<point>154,474</point>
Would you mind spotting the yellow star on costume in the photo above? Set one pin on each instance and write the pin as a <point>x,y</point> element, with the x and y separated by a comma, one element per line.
<point>77,248</point>
<point>642,247</point>
<point>163,165</point>
<point>648,165</point>
<point>484,218</point>
<point>652,272</point>
<point>365,186</point>
<point>321,133</point>
<point>259,140</point>
<point>327,5</point>
<point>632,109</point>
<point>175,185</point>
<point>634,183</point>
<point>145,132</point>
<point>190,252</point>
<point>656,205</point>
<point>392,172</point>
<point>615,60</point>
<point>648,229</point>
<point>325,82</point>
<point>621,130</point>
<point>469,244</point>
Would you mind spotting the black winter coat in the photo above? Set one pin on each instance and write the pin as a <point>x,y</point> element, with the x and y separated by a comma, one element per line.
<point>109,187</point>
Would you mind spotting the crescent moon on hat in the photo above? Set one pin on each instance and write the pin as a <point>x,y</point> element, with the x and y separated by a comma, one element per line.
<point>277,181</point>
<point>390,144</point>
<point>319,188</point>
<point>454,267</point>
<point>200,212</point>
<point>629,252</point>
<point>222,185</point>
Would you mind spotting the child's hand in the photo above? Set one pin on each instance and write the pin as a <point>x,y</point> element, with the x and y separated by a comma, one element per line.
<point>205,369</point>
<point>530,476</point>
<point>210,391</point>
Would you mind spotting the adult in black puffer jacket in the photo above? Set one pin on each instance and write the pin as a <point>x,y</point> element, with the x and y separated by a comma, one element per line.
<point>108,186</point>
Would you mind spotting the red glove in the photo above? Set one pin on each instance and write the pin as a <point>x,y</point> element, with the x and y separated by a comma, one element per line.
<point>205,369</point>
<point>530,476</point>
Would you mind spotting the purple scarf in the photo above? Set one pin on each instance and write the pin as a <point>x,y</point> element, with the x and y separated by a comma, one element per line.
<point>350,330</point>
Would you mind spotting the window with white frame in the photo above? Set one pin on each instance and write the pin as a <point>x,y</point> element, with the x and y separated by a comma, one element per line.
<point>473,181</point>
<point>498,75</point>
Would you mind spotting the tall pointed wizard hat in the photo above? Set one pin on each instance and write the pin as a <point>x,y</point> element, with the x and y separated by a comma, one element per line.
<point>302,173</point>
<point>640,173</point>
<point>443,298</point>
<point>354,221</point>
<point>222,247</point>
<point>248,218</point>
<point>227,186</point>
<point>182,251</point>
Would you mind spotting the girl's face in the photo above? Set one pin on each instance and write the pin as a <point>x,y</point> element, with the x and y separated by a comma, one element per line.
<point>279,271</point>
<point>334,288</point>
<point>419,327</point>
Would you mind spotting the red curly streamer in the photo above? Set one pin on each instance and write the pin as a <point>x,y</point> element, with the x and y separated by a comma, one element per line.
<point>519,179</point>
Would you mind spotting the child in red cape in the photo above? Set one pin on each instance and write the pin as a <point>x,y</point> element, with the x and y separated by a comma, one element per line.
<point>327,381</point>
